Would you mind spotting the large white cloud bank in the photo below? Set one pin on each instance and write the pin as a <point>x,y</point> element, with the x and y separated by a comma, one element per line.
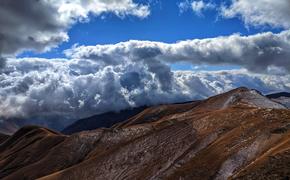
<point>80,88</point>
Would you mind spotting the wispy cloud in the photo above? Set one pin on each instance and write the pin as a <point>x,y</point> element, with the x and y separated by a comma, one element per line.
<point>260,12</point>
<point>198,7</point>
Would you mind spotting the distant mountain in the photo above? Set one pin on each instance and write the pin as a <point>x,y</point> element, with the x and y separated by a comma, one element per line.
<point>278,95</point>
<point>105,120</point>
<point>240,134</point>
<point>10,126</point>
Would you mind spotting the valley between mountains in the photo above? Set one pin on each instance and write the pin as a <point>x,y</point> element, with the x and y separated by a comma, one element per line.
<point>240,134</point>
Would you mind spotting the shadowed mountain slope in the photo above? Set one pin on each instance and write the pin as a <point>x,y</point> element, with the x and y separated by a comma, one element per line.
<point>105,120</point>
<point>236,135</point>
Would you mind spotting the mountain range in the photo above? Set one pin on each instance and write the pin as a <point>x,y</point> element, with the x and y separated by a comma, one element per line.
<point>240,134</point>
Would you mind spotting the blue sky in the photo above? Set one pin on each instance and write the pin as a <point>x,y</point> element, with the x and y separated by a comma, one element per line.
<point>166,23</point>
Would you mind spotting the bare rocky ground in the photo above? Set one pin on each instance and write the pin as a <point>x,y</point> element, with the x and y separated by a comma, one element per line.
<point>237,135</point>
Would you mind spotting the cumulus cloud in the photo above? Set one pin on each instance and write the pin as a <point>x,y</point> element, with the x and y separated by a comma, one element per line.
<point>196,6</point>
<point>260,12</point>
<point>31,87</point>
<point>42,24</point>
<point>261,53</point>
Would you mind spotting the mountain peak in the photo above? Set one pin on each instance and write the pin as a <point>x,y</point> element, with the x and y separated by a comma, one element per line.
<point>241,97</point>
